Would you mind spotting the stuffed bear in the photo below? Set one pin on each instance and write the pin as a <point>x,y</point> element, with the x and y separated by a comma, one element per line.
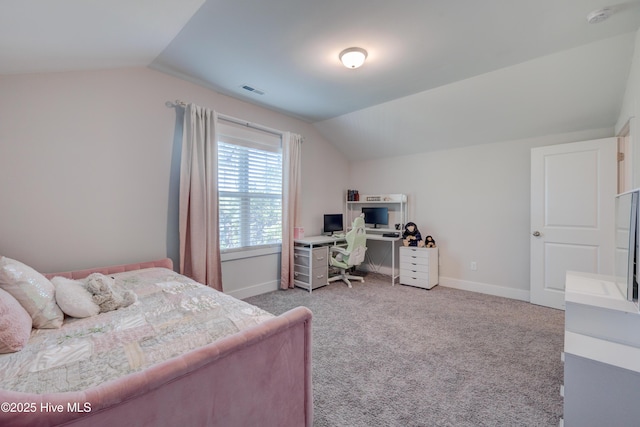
<point>429,242</point>
<point>411,235</point>
<point>105,294</point>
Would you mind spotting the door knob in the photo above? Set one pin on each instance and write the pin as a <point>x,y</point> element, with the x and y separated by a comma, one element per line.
<point>536,233</point>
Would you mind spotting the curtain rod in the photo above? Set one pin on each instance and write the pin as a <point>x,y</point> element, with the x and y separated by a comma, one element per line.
<point>179,103</point>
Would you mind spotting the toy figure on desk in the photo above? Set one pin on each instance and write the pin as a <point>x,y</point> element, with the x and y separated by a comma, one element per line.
<point>429,242</point>
<point>411,235</point>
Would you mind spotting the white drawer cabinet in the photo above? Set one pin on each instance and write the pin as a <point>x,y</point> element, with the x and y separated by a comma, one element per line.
<point>419,266</point>
<point>310,266</point>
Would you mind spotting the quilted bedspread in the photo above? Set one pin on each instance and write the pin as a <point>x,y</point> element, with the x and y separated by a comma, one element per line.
<point>173,314</point>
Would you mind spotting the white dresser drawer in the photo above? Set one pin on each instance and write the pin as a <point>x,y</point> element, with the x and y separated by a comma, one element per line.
<point>412,266</point>
<point>412,274</point>
<point>412,252</point>
<point>419,283</point>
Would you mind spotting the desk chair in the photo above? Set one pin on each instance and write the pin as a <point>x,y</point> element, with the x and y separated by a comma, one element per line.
<point>352,255</point>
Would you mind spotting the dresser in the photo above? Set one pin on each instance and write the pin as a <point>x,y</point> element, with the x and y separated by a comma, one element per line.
<point>418,266</point>
<point>311,266</point>
<point>601,354</point>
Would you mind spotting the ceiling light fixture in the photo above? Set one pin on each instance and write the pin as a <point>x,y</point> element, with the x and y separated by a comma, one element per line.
<point>598,16</point>
<point>353,57</point>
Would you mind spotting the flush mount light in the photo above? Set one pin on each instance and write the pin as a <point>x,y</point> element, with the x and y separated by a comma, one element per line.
<point>598,16</point>
<point>353,57</point>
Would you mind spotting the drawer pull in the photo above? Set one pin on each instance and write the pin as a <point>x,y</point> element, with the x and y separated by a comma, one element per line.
<point>320,276</point>
<point>320,258</point>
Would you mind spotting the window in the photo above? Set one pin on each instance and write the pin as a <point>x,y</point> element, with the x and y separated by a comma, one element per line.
<point>249,188</point>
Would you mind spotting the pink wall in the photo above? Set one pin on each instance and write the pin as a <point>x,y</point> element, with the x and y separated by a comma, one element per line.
<point>88,165</point>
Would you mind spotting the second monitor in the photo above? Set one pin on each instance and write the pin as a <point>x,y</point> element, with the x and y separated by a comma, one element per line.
<point>376,216</point>
<point>332,223</point>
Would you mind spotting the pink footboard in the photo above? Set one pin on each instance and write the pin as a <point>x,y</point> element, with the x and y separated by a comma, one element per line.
<point>259,376</point>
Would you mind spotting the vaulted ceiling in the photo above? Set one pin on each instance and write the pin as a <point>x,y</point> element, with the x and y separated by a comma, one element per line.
<point>439,73</point>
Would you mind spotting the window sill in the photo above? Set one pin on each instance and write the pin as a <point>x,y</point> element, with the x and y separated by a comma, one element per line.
<point>250,253</point>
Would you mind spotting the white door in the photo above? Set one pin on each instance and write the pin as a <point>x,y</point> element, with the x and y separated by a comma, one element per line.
<point>573,188</point>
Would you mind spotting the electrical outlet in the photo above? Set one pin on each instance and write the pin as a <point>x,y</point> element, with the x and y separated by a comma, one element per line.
<point>474,266</point>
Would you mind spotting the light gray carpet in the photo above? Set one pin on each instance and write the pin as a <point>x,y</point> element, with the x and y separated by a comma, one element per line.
<point>404,356</point>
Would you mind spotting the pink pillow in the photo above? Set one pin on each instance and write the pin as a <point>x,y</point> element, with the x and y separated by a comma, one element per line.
<point>34,292</point>
<point>15,324</point>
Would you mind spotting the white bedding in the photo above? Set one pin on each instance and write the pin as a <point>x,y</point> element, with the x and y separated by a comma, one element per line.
<point>173,314</point>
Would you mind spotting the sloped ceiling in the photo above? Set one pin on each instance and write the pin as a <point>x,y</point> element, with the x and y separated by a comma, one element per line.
<point>439,74</point>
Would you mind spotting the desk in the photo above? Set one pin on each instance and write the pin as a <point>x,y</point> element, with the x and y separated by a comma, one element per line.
<point>394,254</point>
<point>312,259</point>
<point>314,241</point>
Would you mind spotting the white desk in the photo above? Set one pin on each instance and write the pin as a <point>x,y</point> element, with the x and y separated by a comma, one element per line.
<point>393,252</point>
<point>315,241</point>
<point>312,241</point>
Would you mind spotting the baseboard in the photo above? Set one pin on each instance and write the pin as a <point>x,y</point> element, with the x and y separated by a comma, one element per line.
<point>466,285</point>
<point>449,282</point>
<point>251,291</point>
<point>484,288</point>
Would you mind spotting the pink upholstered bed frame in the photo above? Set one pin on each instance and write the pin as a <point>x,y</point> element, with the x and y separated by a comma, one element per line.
<point>257,377</point>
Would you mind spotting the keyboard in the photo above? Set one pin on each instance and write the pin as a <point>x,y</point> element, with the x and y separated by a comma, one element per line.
<point>391,235</point>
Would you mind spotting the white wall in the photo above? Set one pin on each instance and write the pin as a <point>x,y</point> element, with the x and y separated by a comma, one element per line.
<point>88,176</point>
<point>475,202</point>
<point>88,169</point>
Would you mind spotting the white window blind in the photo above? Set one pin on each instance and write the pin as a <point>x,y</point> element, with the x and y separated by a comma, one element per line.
<point>249,188</point>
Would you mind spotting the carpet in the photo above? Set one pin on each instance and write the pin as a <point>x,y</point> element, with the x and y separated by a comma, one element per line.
<point>402,356</point>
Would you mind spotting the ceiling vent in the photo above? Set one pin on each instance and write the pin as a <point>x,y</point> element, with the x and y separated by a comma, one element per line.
<point>252,89</point>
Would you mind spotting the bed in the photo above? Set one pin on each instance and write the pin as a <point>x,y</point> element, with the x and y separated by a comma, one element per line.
<point>258,372</point>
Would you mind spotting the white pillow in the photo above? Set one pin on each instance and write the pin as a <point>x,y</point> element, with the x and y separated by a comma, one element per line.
<point>15,324</point>
<point>73,298</point>
<point>33,291</point>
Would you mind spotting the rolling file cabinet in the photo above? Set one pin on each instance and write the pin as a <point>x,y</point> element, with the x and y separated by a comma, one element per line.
<point>311,266</point>
<point>419,266</point>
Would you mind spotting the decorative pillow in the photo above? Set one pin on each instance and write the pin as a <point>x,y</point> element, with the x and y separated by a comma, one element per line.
<point>33,291</point>
<point>15,324</point>
<point>73,298</point>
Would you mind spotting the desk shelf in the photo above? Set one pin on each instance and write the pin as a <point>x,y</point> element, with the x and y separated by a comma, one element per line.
<point>397,204</point>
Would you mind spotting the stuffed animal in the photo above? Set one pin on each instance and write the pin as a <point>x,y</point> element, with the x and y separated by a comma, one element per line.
<point>411,235</point>
<point>106,295</point>
<point>429,242</point>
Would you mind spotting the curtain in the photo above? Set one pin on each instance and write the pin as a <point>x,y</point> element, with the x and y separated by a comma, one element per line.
<point>291,184</point>
<point>198,212</point>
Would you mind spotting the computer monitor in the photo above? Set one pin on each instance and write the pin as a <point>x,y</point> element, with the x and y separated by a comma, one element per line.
<point>376,216</point>
<point>333,223</point>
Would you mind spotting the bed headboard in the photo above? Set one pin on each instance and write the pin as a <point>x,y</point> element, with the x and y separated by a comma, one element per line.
<point>81,274</point>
